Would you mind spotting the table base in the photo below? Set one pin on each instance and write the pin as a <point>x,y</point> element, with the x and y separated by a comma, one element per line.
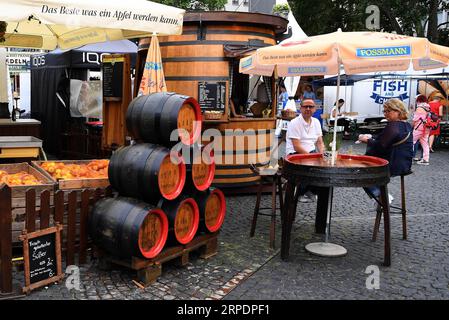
<point>326,249</point>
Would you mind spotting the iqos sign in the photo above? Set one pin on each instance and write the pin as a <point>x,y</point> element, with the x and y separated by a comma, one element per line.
<point>38,61</point>
<point>93,57</point>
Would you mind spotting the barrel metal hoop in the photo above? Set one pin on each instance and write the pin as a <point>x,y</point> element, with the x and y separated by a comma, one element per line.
<point>133,214</point>
<point>139,115</point>
<point>150,173</point>
<point>158,112</point>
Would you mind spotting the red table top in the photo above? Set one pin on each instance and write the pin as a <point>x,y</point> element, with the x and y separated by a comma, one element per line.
<point>343,161</point>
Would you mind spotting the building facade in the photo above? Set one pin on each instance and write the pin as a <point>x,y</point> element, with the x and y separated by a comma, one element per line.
<point>237,5</point>
<point>260,6</point>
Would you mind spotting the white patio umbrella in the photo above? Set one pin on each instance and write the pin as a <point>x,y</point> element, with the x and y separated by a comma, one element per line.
<point>72,23</point>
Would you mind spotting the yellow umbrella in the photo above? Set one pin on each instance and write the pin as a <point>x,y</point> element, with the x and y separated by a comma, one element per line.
<point>47,24</point>
<point>356,52</point>
<point>153,75</point>
<point>250,65</point>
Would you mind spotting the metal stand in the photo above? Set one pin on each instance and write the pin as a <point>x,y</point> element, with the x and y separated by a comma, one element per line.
<point>327,249</point>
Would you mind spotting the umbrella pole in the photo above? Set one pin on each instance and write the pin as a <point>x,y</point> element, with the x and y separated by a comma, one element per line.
<point>334,140</point>
<point>326,248</point>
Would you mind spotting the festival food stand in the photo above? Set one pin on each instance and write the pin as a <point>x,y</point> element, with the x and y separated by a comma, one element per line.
<point>203,63</point>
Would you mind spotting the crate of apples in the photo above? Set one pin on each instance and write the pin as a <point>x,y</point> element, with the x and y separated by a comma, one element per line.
<point>21,178</point>
<point>65,171</point>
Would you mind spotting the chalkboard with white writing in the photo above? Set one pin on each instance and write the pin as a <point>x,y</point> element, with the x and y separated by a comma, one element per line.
<point>42,257</point>
<point>112,78</point>
<point>212,95</point>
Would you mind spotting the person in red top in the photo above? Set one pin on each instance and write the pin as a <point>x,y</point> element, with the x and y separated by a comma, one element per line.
<point>437,108</point>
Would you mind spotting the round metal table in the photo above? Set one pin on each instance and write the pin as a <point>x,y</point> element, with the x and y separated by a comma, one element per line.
<point>348,171</point>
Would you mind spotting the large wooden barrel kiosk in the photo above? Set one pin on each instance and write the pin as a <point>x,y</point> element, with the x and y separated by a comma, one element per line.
<point>126,227</point>
<point>202,63</point>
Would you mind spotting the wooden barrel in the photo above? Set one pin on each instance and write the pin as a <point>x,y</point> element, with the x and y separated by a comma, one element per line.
<point>200,167</point>
<point>198,56</point>
<point>212,205</point>
<point>152,118</point>
<point>146,171</point>
<point>348,171</point>
<point>183,219</point>
<point>126,227</point>
<point>237,148</point>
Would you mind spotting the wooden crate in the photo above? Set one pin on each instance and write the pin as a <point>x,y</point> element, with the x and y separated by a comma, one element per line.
<point>69,184</point>
<point>19,191</point>
<point>148,270</point>
<point>18,203</point>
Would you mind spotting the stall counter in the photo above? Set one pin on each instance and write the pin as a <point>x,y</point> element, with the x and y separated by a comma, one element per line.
<point>20,127</point>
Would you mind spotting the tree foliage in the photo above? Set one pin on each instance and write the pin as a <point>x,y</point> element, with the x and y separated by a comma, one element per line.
<point>409,17</point>
<point>195,4</point>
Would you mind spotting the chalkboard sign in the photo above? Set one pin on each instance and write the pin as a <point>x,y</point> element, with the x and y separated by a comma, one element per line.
<point>112,68</point>
<point>212,95</point>
<point>42,257</point>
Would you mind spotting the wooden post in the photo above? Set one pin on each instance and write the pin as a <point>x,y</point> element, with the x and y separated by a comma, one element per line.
<point>30,200</point>
<point>71,228</point>
<point>85,197</point>
<point>5,240</point>
<point>45,210</point>
<point>116,70</point>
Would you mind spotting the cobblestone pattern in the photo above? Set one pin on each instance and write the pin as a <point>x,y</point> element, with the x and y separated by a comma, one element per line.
<point>246,268</point>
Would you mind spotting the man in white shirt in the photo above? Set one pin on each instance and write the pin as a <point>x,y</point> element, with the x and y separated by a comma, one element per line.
<point>304,136</point>
<point>304,133</point>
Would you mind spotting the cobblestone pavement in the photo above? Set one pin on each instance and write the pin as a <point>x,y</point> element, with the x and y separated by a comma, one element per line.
<point>246,268</point>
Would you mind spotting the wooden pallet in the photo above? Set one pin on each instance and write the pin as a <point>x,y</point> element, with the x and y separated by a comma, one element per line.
<point>148,270</point>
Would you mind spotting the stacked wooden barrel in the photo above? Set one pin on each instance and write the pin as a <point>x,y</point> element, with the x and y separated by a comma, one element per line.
<point>165,194</point>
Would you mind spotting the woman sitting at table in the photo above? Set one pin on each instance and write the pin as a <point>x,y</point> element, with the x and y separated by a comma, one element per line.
<point>394,143</point>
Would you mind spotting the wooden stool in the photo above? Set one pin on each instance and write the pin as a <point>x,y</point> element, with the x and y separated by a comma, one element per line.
<point>402,210</point>
<point>275,179</point>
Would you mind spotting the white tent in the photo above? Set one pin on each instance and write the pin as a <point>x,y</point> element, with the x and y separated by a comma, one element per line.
<point>291,83</point>
<point>250,65</point>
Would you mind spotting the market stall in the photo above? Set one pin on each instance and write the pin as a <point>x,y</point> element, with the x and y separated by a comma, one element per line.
<point>72,94</point>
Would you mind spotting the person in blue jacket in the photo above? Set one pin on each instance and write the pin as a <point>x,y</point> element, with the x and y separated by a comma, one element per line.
<point>394,143</point>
